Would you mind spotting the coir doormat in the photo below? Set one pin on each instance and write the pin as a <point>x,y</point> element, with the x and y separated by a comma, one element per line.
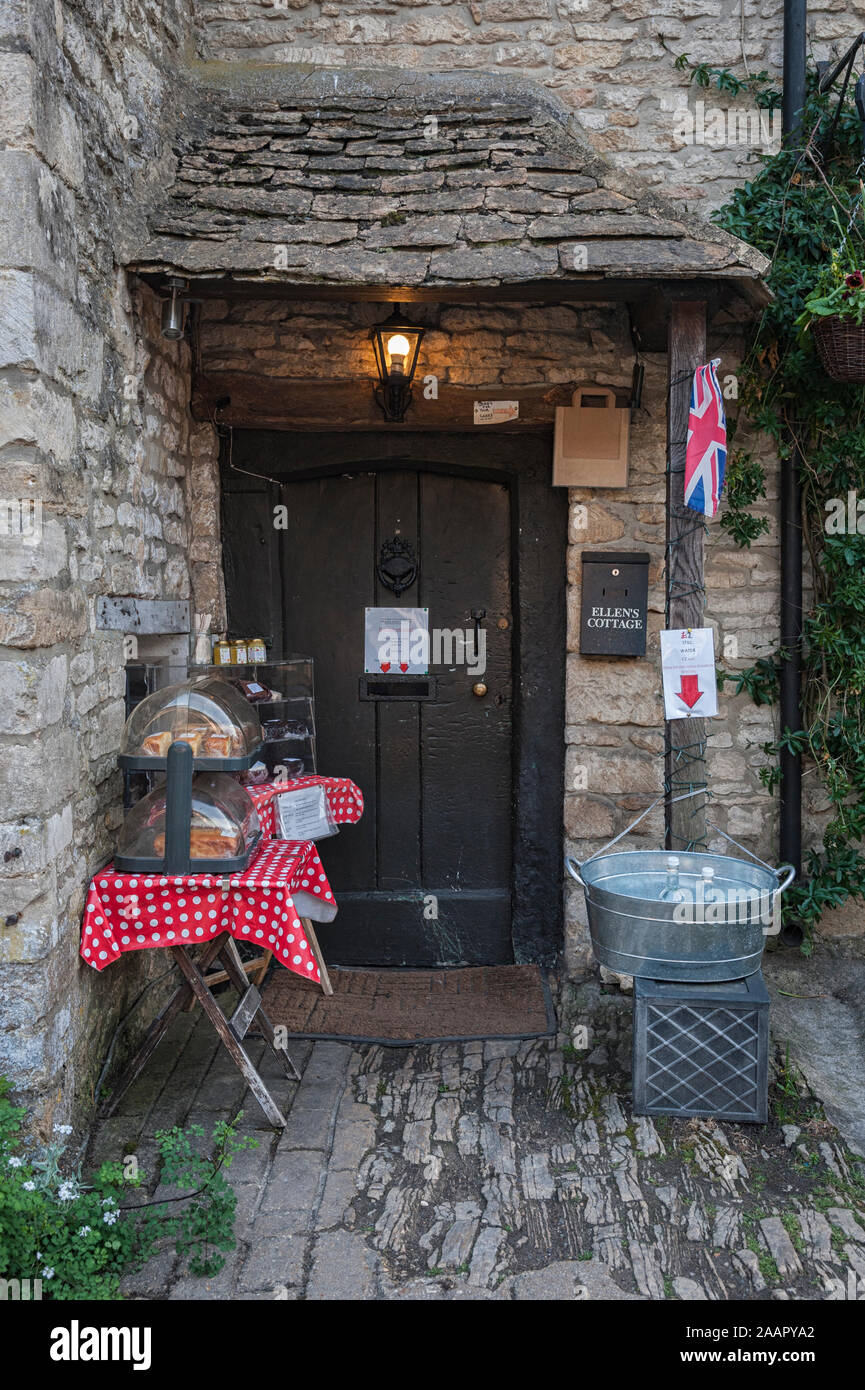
<point>401,1007</point>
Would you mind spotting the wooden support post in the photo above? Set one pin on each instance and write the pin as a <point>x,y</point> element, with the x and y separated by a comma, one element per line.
<point>255,969</point>
<point>316,951</point>
<point>195,988</point>
<point>234,1048</point>
<point>234,968</point>
<point>684,766</point>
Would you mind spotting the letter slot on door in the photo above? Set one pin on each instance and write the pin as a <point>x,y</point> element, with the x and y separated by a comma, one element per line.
<point>397,688</point>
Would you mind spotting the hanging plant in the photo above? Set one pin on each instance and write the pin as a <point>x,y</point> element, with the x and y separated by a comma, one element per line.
<point>835,314</point>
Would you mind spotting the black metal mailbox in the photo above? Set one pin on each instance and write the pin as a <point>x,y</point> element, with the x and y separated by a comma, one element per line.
<point>615,595</point>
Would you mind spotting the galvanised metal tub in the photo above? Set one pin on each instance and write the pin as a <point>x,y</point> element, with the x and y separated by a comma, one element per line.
<point>635,932</point>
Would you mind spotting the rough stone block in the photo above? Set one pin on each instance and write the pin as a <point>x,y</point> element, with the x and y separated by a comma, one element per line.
<point>339,1191</point>
<point>31,695</point>
<point>613,692</point>
<point>31,550</point>
<point>494,262</point>
<point>294,1183</point>
<point>41,776</point>
<point>343,1268</point>
<point>586,818</point>
<point>275,1261</point>
<point>605,771</point>
<point>37,219</point>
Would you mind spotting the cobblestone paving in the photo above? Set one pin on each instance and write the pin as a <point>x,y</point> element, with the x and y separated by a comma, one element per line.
<point>504,1171</point>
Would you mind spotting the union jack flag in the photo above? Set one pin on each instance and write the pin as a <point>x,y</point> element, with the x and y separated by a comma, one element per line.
<point>706,452</point>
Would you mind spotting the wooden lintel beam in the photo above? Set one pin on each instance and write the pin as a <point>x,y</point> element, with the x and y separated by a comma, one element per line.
<point>259,402</point>
<point>599,289</point>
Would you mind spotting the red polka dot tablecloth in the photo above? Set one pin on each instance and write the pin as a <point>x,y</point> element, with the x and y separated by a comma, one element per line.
<point>344,799</point>
<point>263,904</point>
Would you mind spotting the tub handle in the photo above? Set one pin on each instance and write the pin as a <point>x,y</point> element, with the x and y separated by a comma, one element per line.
<point>791,871</point>
<point>696,791</point>
<point>572,866</point>
<point>573,869</point>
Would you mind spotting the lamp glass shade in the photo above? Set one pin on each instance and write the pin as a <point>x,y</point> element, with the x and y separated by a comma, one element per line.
<point>396,344</point>
<point>173,311</point>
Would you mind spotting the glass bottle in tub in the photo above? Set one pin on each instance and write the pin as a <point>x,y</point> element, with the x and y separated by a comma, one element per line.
<point>671,891</point>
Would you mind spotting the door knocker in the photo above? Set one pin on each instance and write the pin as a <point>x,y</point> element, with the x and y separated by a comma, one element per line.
<point>397,565</point>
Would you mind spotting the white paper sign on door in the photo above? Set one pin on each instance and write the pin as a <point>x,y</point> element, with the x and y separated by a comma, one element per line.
<point>396,641</point>
<point>688,666</point>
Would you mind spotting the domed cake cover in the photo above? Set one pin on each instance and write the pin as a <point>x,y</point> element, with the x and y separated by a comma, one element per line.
<point>207,713</point>
<point>224,821</point>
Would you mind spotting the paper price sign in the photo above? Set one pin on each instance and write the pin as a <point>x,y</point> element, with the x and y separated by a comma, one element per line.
<point>302,814</point>
<point>496,412</point>
<point>688,667</point>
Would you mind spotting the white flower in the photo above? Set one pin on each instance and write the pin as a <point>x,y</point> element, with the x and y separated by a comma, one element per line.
<point>48,1272</point>
<point>62,1129</point>
<point>67,1191</point>
<point>85,1231</point>
<point>108,1201</point>
<point>29,1186</point>
<point>16,1162</point>
<point>110,1217</point>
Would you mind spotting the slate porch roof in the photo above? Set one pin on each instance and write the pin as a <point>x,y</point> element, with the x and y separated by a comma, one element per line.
<point>389,178</point>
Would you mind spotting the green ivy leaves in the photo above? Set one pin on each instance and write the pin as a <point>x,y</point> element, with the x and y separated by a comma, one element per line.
<point>796,211</point>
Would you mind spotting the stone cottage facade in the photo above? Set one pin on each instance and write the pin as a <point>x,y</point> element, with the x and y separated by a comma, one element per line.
<point>140,139</point>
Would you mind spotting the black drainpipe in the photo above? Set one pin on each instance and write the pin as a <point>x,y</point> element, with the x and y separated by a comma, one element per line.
<point>790,678</point>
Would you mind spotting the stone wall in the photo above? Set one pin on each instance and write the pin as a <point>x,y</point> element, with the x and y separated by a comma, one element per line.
<point>611,62</point>
<point>614,715</point>
<point>95,432</point>
<point>121,488</point>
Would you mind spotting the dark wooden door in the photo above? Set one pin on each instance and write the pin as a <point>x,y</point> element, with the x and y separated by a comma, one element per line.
<point>425,879</point>
<point>464,795</point>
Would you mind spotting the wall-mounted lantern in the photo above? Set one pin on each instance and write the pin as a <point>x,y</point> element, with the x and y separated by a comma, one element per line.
<point>174,308</point>
<point>396,344</point>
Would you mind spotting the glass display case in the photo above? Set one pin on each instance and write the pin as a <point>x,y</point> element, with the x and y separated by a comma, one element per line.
<point>219,831</point>
<point>209,713</point>
<point>283,695</point>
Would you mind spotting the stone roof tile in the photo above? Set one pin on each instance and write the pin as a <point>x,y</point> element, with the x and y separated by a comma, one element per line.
<point>420,179</point>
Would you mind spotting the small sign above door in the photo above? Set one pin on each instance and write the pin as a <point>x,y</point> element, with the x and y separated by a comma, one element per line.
<point>396,641</point>
<point>496,412</point>
<point>615,593</point>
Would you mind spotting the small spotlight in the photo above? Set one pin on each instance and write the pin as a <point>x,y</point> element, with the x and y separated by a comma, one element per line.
<point>174,308</point>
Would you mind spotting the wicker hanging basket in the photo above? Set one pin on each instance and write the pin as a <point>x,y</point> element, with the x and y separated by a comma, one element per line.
<point>840,347</point>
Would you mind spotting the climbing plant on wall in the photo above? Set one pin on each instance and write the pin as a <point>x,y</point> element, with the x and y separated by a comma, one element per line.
<point>803,210</point>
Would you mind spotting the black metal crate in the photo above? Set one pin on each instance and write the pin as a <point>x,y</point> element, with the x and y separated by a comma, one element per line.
<point>702,1049</point>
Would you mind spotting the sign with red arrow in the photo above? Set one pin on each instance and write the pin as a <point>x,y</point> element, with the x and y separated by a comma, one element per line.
<point>688,666</point>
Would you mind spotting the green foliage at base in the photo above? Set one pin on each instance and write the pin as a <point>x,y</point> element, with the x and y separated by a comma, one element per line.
<point>79,1238</point>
